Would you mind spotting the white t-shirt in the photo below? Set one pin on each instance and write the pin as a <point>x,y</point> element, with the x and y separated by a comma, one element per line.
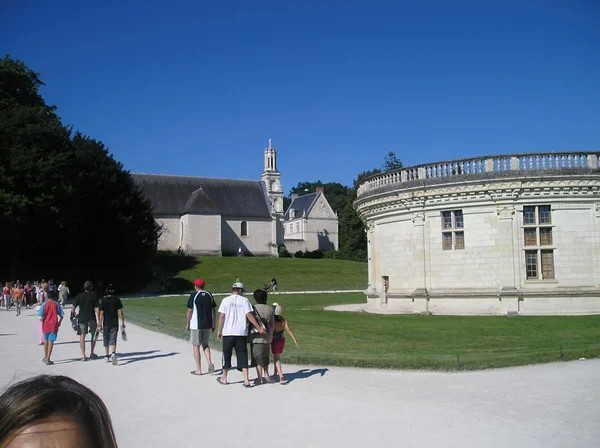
<point>235,308</point>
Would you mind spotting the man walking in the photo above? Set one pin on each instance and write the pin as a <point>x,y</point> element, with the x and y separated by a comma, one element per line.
<point>200,320</point>
<point>110,308</point>
<point>87,301</point>
<point>235,311</point>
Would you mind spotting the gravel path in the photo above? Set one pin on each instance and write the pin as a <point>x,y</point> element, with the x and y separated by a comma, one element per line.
<point>155,402</point>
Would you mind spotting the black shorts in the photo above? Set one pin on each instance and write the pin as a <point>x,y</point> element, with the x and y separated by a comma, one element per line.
<point>240,344</point>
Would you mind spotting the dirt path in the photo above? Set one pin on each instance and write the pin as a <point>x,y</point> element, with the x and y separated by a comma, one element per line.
<point>155,402</point>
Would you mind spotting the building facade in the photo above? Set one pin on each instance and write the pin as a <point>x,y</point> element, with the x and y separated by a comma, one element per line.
<point>310,223</point>
<point>207,216</point>
<point>514,234</point>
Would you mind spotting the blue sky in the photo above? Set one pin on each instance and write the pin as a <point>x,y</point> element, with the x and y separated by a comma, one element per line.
<point>197,87</point>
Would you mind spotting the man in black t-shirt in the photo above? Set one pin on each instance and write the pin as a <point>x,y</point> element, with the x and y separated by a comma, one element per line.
<point>87,301</point>
<point>201,318</point>
<point>110,307</point>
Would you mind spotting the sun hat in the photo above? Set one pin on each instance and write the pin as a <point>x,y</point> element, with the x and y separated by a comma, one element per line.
<point>199,282</point>
<point>238,285</point>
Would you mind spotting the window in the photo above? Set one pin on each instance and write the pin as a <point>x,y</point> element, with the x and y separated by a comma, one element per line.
<point>244,230</point>
<point>539,255</point>
<point>453,237</point>
<point>386,283</point>
<point>297,227</point>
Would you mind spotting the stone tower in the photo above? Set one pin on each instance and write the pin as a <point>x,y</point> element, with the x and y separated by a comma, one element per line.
<point>272,179</point>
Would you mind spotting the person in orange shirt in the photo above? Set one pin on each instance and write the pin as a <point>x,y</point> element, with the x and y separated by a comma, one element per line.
<point>18,294</point>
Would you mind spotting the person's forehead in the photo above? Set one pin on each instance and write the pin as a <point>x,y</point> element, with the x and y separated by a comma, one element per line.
<point>55,433</point>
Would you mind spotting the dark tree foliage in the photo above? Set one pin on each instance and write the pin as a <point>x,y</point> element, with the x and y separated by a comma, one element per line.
<point>352,237</point>
<point>68,210</point>
<point>391,162</point>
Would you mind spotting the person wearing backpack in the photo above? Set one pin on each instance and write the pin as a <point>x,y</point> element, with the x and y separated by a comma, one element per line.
<point>261,343</point>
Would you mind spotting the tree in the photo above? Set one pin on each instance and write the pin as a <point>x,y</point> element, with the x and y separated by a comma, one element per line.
<point>391,162</point>
<point>67,208</point>
<point>353,241</point>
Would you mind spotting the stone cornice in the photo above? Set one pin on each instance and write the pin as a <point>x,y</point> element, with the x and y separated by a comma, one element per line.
<point>490,192</point>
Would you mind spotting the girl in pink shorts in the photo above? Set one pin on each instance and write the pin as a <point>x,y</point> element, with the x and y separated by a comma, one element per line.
<point>278,344</point>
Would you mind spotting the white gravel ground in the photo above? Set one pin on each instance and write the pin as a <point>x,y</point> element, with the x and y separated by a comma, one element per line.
<point>155,402</point>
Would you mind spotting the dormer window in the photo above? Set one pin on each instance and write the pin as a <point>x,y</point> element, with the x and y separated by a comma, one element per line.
<point>292,213</point>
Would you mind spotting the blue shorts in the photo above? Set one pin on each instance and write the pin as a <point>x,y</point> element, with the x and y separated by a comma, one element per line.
<point>50,336</point>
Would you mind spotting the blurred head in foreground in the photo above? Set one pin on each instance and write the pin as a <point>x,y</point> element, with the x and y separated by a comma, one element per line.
<point>54,411</point>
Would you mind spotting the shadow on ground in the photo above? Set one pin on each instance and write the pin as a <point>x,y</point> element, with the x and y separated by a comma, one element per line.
<point>124,361</point>
<point>123,358</point>
<point>303,374</point>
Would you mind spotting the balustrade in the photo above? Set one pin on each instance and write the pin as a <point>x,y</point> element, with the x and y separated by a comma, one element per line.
<point>479,165</point>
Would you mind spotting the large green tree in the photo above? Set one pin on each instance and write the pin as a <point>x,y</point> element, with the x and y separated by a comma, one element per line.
<point>67,208</point>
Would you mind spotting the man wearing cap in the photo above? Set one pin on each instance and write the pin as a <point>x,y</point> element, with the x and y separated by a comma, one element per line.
<point>235,311</point>
<point>200,320</point>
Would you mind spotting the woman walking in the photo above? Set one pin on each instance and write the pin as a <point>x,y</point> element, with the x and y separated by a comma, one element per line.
<point>278,344</point>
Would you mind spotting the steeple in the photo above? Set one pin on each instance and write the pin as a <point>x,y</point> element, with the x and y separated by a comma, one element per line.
<point>270,158</point>
<point>272,179</point>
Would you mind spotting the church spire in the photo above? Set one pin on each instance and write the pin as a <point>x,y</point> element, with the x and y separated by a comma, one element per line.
<point>270,158</point>
<point>272,178</point>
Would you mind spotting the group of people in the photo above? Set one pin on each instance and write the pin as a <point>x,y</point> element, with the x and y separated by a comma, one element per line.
<point>239,325</point>
<point>31,294</point>
<point>91,314</point>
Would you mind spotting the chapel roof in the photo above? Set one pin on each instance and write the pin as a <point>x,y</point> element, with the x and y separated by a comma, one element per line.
<point>301,204</point>
<point>179,195</point>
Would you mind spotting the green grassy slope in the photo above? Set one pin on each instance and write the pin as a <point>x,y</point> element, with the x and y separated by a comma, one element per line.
<point>292,274</point>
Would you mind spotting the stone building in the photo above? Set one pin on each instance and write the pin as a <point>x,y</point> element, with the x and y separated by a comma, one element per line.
<point>208,216</point>
<point>310,223</point>
<point>514,234</point>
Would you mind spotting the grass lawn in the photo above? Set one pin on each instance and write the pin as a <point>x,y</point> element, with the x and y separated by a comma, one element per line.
<point>403,341</point>
<point>292,274</point>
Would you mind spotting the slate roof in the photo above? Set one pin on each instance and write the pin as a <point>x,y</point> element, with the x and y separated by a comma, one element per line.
<point>178,195</point>
<point>301,204</point>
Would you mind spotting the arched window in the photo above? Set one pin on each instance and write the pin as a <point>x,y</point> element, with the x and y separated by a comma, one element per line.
<point>244,230</point>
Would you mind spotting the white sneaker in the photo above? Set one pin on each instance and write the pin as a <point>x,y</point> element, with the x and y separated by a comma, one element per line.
<point>113,357</point>
<point>107,358</point>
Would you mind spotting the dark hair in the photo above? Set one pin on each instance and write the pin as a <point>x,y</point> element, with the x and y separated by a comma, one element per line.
<point>110,289</point>
<point>260,295</point>
<point>88,286</point>
<point>46,396</point>
<point>52,294</point>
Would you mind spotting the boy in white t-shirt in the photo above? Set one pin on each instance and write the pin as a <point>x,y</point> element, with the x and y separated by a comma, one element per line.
<point>235,311</point>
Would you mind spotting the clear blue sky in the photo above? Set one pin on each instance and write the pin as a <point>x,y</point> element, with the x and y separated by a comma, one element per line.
<point>197,87</point>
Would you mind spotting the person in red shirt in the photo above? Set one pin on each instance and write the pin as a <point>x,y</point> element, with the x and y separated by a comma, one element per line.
<point>51,315</point>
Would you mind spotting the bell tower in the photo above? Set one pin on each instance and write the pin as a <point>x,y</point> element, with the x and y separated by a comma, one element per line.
<point>272,179</point>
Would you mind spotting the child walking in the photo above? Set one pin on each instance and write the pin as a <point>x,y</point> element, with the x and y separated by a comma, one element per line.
<point>278,343</point>
<point>51,315</point>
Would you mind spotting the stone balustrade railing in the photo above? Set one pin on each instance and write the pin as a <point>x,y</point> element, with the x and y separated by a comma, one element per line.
<point>479,165</point>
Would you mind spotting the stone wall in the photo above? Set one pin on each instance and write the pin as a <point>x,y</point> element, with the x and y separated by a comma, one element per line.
<point>259,241</point>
